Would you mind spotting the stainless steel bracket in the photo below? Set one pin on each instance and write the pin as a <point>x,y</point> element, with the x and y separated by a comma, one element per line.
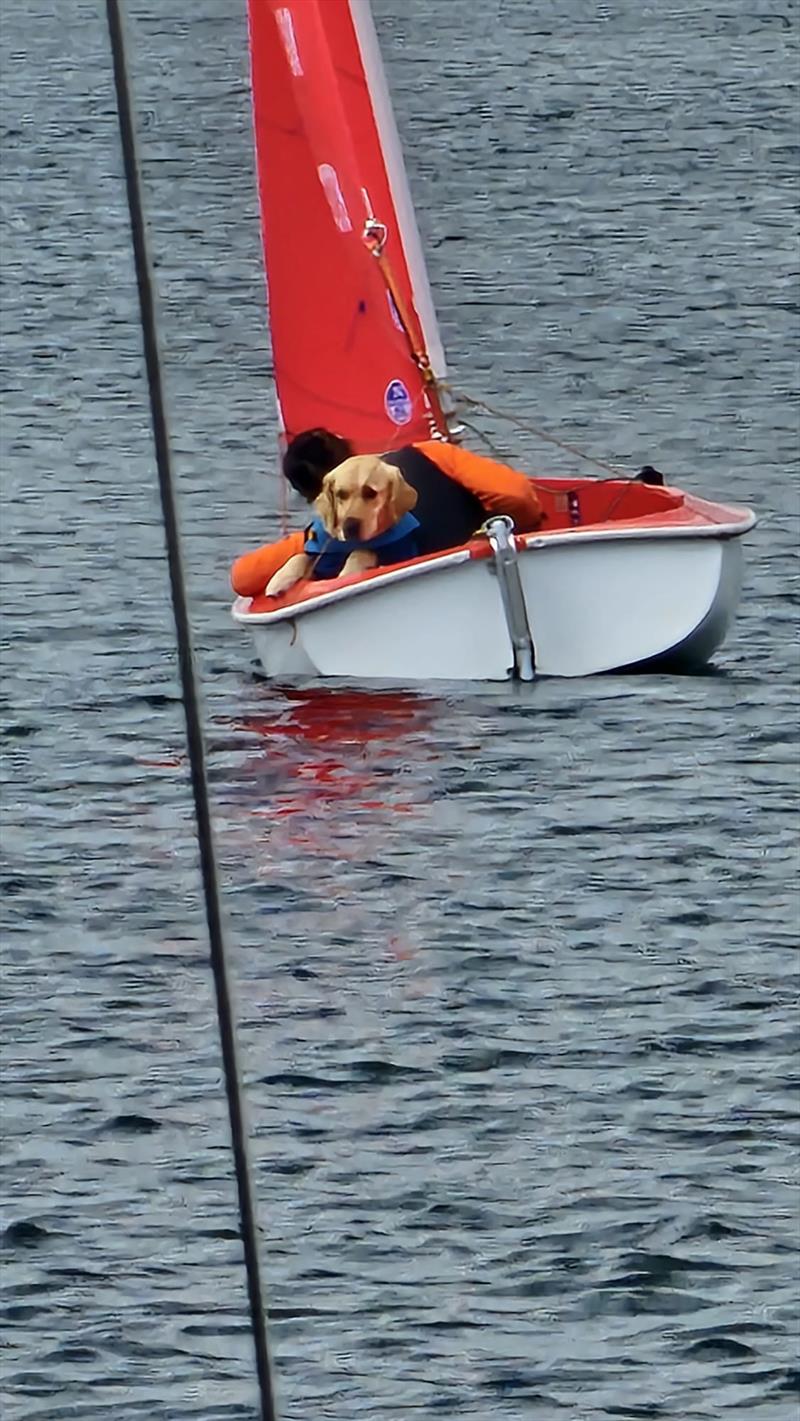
<point>500,532</point>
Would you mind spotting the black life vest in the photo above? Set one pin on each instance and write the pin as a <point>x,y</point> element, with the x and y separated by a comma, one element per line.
<point>448,513</point>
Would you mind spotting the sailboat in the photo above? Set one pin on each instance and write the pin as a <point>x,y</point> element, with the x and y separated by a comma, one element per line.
<point>624,572</point>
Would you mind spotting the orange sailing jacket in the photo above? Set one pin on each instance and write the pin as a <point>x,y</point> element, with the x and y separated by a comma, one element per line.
<point>499,488</point>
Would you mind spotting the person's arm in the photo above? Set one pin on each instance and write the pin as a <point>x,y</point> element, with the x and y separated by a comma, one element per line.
<point>499,488</point>
<point>251,572</point>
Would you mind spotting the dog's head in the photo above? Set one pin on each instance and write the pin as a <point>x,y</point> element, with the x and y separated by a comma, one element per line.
<point>362,498</point>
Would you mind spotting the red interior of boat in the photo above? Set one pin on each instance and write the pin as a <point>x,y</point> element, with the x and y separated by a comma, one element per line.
<point>571,505</point>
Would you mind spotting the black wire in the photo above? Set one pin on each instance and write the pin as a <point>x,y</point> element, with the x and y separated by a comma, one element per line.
<point>194,731</point>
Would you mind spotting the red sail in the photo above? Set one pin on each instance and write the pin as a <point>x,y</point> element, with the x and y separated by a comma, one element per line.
<point>341,357</point>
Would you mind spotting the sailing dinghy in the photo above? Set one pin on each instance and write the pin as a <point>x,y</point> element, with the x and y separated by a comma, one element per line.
<point>623,572</point>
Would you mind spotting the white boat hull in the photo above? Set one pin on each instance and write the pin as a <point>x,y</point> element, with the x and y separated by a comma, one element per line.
<point>596,602</point>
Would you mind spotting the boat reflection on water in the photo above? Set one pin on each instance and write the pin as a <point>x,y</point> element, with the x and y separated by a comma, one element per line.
<point>319,797</point>
<point>313,751</point>
<point>321,792</point>
<point>317,794</point>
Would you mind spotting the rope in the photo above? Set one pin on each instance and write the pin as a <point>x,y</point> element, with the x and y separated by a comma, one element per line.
<point>497,453</point>
<point>191,703</point>
<point>374,236</point>
<point>615,470</point>
<point>284,503</point>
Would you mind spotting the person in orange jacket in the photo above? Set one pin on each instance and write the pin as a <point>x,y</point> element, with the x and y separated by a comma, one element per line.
<point>456,491</point>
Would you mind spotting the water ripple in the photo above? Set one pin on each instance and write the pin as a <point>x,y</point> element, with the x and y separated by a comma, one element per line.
<point>517,985</point>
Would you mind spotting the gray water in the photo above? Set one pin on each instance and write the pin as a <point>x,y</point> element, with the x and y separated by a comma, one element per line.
<point>516,980</point>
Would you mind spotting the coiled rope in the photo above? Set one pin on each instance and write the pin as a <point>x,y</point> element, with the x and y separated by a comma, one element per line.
<point>192,708</point>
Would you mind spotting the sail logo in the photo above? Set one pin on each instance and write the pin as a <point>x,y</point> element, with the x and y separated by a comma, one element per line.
<point>286,27</point>
<point>397,402</point>
<point>329,178</point>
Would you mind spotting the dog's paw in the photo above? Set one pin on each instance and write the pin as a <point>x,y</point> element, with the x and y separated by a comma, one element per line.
<point>281,582</point>
<point>285,578</point>
<point>360,560</point>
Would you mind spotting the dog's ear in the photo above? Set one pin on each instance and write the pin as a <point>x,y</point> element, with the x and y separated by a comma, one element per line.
<point>325,503</point>
<point>402,496</point>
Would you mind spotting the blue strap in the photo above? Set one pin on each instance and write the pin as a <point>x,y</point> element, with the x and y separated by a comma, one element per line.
<point>318,539</point>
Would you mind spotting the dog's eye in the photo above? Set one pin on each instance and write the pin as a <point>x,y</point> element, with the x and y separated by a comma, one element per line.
<point>369,493</point>
<point>342,494</point>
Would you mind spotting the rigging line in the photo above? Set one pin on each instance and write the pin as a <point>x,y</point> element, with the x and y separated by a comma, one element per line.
<point>191,702</point>
<point>615,470</point>
<point>283,496</point>
<point>490,445</point>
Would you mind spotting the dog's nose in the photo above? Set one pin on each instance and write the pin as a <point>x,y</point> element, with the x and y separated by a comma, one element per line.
<point>351,527</point>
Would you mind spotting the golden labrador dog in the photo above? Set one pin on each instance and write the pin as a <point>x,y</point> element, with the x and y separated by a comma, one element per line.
<point>360,499</point>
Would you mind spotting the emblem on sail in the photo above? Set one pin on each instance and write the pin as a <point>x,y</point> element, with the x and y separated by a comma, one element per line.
<point>397,402</point>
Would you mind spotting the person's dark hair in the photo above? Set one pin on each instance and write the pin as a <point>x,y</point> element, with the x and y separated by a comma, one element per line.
<point>310,456</point>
